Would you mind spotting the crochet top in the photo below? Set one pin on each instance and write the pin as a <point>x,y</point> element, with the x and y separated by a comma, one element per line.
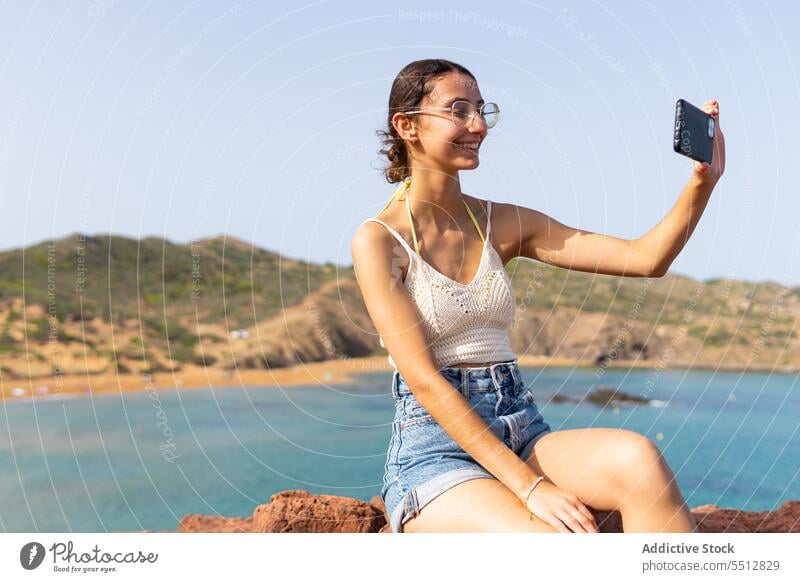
<point>464,323</point>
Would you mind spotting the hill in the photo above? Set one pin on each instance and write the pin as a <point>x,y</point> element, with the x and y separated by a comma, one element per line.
<point>99,304</point>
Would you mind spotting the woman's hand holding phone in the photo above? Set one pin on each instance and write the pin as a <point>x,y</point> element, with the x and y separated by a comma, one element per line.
<point>712,172</point>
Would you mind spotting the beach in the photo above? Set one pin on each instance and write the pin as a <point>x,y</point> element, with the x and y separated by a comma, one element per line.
<point>310,374</point>
<point>339,371</point>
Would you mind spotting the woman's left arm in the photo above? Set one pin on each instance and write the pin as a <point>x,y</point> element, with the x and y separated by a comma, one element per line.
<point>547,240</point>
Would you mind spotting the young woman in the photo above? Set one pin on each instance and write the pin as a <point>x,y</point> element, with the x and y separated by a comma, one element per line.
<point>470,450</point>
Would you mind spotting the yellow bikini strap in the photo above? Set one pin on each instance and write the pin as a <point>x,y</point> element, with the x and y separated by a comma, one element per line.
<point>413,230</point>
<point>400,194</point>
<point>475,222</point>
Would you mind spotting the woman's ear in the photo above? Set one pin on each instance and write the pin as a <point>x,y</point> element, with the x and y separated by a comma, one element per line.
<point>404,126</point>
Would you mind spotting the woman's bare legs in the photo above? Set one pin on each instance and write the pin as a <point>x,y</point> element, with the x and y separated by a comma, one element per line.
<point>608,469</point>
<point>615,469</point>
<point>477,505</point>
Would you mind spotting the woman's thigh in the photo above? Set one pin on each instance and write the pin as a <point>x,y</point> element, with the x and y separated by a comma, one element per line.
<point>602,466</point>
<point>478,505</point>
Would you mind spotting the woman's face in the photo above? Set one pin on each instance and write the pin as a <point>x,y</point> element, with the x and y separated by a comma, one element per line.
<point>440,142</point>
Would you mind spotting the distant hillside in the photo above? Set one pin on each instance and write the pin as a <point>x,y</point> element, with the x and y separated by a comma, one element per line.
<point>104,303</point>
<point>113,276</point>
<point>669,321</point>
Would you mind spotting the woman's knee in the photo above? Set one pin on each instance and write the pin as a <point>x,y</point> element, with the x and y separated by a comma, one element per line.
<point>641,464</point>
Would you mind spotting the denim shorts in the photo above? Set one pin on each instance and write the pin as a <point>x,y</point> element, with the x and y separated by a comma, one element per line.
<point>423,461</point>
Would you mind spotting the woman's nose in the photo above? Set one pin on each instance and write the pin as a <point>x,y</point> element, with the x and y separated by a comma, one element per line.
<point>477,124</point>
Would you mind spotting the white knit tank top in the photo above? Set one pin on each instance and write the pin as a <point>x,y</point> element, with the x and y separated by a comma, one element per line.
<point>463,323</point>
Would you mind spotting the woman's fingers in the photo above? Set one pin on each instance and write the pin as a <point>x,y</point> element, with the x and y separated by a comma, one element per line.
<point>586,522</point>
<point>712,108</point>
<point>585,517</point>
<point>559,525</point>
<point>572,521</point>
<point>589,523</point>
<point>566,513</point>
<point>574,509</point>
<point>585,511</point>
<point>555,518</point>
<point>581,512</point>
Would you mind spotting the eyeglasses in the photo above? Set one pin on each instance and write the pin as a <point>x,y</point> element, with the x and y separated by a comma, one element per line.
<point>463,112</point>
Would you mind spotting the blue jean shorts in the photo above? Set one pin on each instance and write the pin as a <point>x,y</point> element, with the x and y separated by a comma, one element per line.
<point>423,461</point>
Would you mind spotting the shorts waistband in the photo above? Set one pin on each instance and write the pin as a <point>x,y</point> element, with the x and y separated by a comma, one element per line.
<point>468,378</point>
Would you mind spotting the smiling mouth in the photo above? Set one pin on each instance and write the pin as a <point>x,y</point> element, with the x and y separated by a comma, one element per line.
<point>473,150</point>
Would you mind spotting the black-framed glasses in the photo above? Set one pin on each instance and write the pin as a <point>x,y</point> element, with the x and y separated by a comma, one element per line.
<point>463,112</point>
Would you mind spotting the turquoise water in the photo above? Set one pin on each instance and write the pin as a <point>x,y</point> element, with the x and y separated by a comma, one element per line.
<point>134,462</point>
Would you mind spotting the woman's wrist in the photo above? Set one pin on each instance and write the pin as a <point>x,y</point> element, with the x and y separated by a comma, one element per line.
<point>523,482</point>
<point>531,489</point>
<point>704,180</point>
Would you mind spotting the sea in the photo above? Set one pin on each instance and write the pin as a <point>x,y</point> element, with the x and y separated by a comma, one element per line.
<point>141,461</point>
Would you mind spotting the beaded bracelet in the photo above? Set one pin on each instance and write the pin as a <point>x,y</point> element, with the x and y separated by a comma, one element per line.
<point>528,494</point>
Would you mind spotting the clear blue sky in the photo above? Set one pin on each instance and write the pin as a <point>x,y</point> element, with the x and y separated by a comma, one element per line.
<point>193,119</point>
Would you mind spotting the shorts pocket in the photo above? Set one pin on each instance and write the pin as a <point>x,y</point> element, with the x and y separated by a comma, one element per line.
<point>422,442</point>
<point>414,413</point>
<point>417,420</point>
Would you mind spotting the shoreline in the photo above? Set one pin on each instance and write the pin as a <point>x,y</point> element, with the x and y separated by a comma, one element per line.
<point>313,374</point>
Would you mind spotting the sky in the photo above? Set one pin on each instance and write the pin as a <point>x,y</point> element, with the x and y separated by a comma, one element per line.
<point>188,120</point>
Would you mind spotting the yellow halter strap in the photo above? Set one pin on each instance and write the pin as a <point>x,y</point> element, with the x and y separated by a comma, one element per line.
<point>398,194</point>
<point>401,194</point>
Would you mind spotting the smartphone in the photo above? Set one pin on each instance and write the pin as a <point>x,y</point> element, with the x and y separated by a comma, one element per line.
<point>694,132</point>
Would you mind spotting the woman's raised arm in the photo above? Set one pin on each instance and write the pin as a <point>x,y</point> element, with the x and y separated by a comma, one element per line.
<point>544,238</point>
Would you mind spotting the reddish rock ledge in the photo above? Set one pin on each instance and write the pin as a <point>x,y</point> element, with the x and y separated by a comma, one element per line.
<point>297,511</point>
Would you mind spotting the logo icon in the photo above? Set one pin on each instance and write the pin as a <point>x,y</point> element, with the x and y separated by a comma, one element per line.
<point>31,555</point>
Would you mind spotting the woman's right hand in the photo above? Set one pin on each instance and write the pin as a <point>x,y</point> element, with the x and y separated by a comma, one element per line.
<point>561,509</point>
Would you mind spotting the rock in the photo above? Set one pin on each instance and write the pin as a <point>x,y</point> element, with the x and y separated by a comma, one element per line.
<point>713,519</point>
<point>609,396</point>
<point>602,396</point>
<point>377,502</point>
<point>607,521</point>
<point>560,398</point>
<point>300,511</point>
<point>214,523</point>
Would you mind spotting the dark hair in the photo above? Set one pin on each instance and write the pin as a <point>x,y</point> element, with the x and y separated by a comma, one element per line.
<point>412,84</point>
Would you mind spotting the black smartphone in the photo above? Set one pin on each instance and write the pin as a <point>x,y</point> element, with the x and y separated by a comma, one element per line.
<point>694,132</point>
